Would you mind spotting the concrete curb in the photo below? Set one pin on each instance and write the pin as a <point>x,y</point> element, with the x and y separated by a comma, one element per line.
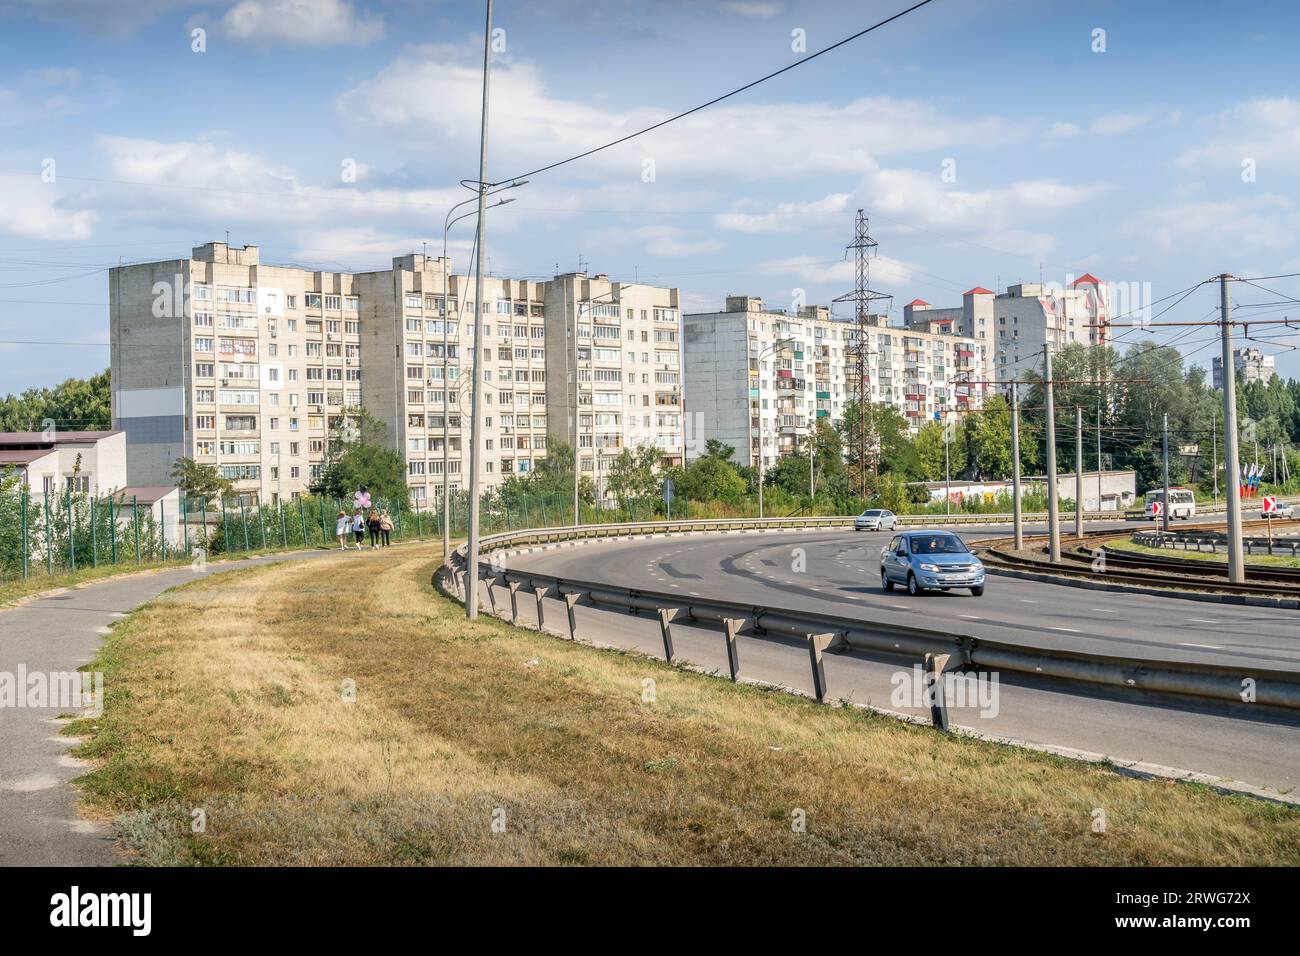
<point>1241,599</point>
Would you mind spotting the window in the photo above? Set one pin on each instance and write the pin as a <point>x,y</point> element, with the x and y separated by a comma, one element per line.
<point>205,422</point>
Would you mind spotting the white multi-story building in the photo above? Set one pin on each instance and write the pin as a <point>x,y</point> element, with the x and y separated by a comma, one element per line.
<point>248,366</point>
<point>749,390</point>
<point>1016,325</point>
<point>1251,365</point>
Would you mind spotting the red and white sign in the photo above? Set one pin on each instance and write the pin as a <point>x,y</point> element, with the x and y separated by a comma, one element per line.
<point>1157,509</point>
<point>1270,504</point>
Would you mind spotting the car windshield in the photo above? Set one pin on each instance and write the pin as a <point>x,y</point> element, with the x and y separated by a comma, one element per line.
<point>871,514</point>
<point>938,544</point>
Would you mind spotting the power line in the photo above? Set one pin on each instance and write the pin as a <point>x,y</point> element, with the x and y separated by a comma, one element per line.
<point>716,99</point>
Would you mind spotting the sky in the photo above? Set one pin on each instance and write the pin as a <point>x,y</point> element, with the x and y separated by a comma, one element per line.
<point>1155,144</point>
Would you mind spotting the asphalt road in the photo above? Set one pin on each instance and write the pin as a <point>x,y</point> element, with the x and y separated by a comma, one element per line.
<point>841,576</point>
<point>39,824</point>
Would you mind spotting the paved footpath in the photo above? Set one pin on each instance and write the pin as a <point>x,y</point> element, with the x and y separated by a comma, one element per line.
<point>39,825</point>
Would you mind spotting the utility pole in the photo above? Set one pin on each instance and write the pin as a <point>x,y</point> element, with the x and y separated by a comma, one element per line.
<point>1017,529</point>
<point>476,433</point>
<point>1099,468</point>
<point>1053,496</point>
<point>1078,472</point>
<point>760,464</point>
<point>1231,460</point>
<point>577,410</point>
<point>947,475</point>
<point>1214,460</point>
<point>1164,444</point>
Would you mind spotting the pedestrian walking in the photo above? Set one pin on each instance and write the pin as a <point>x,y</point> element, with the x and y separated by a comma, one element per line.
<point>385,525</point>
<point>359,527</point>
<point>372,525</point>
<point>342,528</point>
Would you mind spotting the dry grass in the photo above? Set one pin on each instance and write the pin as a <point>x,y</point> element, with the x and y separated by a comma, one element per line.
<point>225,695</point>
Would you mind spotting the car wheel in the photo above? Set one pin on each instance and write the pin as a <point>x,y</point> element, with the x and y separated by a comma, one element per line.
<point>885,583</point>
<point>977,592</point>
<point>912,587</point>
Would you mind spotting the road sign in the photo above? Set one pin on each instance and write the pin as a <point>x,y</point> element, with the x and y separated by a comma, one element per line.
<point>1270,504</point>
<point>1157,509</point>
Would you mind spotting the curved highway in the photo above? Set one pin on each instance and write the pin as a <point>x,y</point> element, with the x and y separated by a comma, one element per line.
<point>838,572</point>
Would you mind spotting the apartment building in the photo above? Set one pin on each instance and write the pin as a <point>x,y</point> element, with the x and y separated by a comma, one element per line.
<point>1016,325</point>
<point>761,378</point>
<point>1251,365</point>
<point>418,345</point>
<point>247,366</point>
<point>627,354</point>
<point>236,363</point>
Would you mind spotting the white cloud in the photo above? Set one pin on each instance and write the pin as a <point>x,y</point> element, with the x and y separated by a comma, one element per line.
<point>430,98</point>
<point>301,23</point>
<point>885,270</point>
<point>762,11</point>
<point>1266,223</point>
<point>786,216</point>
<point>207,181</point>
<point>1064,130</point>
<point>1117,124</point>
<point>1265,130</point>
<point>33,209</point>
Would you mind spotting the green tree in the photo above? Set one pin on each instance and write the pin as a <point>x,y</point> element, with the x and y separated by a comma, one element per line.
<point>200,482</point>
<point>633,476</point>
<point>356,455</point>
<point>73,405</point>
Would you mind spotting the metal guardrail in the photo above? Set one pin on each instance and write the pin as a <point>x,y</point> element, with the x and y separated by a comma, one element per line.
<point>1181,540</point>
<point>940,650</point>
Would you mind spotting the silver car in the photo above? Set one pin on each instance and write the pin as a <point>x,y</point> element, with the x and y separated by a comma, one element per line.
<point>875,519</point>
<point>926,560</point>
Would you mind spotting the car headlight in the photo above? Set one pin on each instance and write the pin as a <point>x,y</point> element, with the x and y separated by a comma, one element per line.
<point>929,567</point>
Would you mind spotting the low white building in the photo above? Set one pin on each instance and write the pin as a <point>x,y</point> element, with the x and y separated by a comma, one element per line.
<point>90,462</point>
<point>1109,491</point>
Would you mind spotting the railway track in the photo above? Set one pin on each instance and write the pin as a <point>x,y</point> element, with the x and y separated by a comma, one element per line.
<point>1082,561</point>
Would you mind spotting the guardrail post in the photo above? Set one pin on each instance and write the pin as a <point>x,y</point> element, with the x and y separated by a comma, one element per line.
<point>730,626</point>
<point>514,601</point>
<point>539,593</point>
<point>666,616</point>
<point>487,584</point>
<point>934,689</point>
<point>816,644</point>
<point>571,602</point>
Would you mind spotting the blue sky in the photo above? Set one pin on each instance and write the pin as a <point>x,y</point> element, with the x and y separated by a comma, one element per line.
<point>1060,160</point>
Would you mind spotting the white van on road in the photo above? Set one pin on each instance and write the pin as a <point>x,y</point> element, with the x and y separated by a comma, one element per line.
<point>1182,503</point>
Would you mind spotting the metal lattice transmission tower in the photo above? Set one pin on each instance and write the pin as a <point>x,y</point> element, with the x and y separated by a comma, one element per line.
<point>863,443</point>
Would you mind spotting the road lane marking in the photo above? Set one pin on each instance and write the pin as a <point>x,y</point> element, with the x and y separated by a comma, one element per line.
<point>1068,630</point>
<point>1200,620</point>
<point>1103,610</point>
<point>1208,647</point>
<point>970,617</point>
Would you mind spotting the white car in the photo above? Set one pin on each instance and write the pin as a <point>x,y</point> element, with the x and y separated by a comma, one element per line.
<point>1284,510</point>
<point>875,519</point>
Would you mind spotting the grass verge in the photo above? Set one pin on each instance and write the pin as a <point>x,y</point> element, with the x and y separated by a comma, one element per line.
<point>486,744</point>
<point>1257,559</point>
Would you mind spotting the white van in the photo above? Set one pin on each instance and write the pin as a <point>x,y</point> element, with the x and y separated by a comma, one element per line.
<point>1182,503</point>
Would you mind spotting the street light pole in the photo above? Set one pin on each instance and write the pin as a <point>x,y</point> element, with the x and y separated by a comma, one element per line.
<point>476,437</point>
<point>1053,496</point>
<point>1016,527</point>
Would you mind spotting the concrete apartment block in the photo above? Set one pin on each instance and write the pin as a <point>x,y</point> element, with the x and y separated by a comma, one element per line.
<point>234,363</point>
<point>1251,365</point>
<point>247,366</point>
<point>744,393</point>
<point>628,360</point>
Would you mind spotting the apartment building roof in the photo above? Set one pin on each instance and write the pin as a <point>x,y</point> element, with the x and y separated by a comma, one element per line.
<point>1086,279</point>
<point>916,302</point>
<point>144,494</point>
<point>978,290</point>
<point>23,456</point>
<point>38,439</point>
